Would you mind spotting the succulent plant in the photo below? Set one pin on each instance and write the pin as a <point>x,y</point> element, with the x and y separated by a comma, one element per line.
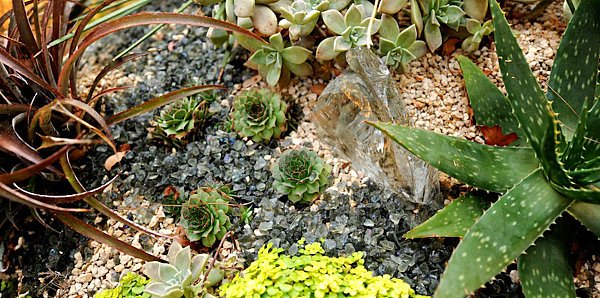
<point>178,278</point>
<point>430,15</point>
<point>568,8</point>
<point>204,216</point>
<point>301,17</point>
<point>301,175</point>
<point>556,169</point>
<point>259,114</point>
<point>399,47</point>
<point>478,31</point>
<point>275,60</point>
<point>391,7</point>
<point>178,120</point>
<point>351,30</point>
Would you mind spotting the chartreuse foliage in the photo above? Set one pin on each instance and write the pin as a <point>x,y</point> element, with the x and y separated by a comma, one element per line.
<point>554,169</point>
<point>130,286</point>
<point>311,274</point>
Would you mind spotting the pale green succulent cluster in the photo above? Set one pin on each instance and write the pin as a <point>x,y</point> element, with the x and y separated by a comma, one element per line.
<point>301,175</point>
<point>204,217</point>
<point>548,180</point>
<point>182,276</point>
<point>178,120</point>
<point>259,114</point>
<point>130,286</point>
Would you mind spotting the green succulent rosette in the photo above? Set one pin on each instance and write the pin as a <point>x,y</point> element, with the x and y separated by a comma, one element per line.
<point>259,114</point>
<point>204,217</point>
<point>301,175</point>
<point>178,120</point>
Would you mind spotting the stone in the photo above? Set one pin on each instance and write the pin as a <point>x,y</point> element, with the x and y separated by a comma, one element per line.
<point>367,92</point>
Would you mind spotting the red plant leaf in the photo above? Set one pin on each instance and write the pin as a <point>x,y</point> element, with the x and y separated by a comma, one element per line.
<point>494,136</point>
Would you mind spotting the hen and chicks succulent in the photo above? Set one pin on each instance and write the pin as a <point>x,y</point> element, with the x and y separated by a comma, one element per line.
<point>301,175</point>
<point>259,114</point>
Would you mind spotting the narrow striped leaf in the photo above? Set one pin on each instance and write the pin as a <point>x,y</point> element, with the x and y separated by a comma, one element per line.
<point>503,233</point>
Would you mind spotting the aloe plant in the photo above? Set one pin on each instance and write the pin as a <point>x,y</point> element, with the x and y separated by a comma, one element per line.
<point>554,169</point>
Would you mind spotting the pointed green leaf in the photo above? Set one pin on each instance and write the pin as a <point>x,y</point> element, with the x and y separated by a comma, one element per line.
<point>389,27</point>
<point>487,167</point>
<point>545,270</point>
<point>575,68</point>
<point>452,221</point>
<point>490,106</point>
<point>588,215</point>
<point>526,97</point>
<point>591,142</point>
<point>504,231</point>
<point>579,193</point>
<point>295,54</point>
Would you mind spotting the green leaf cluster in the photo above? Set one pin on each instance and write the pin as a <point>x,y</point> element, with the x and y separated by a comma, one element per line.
<point>553,170</point>
<point>301,175</point>
<point>311,274</point>
<point>259,114</point>
<point>130,286</point>
<point>204,216</point>
<point>179,119</point>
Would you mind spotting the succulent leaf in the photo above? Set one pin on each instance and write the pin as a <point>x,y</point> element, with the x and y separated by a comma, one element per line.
<point>504,231</point>
<point>527,99</point>
<point>490,106</point>
<point>204,216</point>
<point>452,221</point>
<point>573,75</point>
<point>259,114</point>
<point>588,215</point>
<point>545,269</point>
<point>486,167</point>
<point>301,175</point>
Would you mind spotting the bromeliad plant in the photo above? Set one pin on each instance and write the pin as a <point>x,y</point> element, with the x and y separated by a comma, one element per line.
<point>204,217</point>
<point>301,175</point>
<point>45,123</point>
<point>555,169</point>
<point>259,114</point>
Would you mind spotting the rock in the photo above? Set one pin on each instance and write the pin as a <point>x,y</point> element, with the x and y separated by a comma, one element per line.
<point>367,92</point>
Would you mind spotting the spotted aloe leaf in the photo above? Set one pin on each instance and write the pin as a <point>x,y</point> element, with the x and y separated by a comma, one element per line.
<point>452,221</point>
<point>504,231</point>
<point>588,215</point>
<point>489,105</point>
<point>575,69</point>
<point>486,167</point>
<point>544,268</point>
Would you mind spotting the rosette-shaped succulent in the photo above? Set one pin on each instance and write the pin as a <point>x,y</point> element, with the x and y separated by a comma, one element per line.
<point>177,278</point>
<point>478,30</point>
<point>301,17</point>
<point>399,47</point>
<point>259,114</point>
<point>204,216</point>
<point>432,15</point>
<point>301,175</point>
<point>175,122</point>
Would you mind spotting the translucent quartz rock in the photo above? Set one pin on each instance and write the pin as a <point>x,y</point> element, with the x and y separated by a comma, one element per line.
<point>366,91</point>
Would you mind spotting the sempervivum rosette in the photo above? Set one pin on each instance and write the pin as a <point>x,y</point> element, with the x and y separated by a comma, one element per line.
<point>204,217</point>
<point>259,114</point>
<point>301,175</point>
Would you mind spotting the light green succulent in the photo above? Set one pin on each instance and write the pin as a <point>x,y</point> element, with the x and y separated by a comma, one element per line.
<point>430,15</point>
<point>178,120</point>
<point>391,7</point>
<point>549,181</point>
<point>301,17</point>
<point>181,277</point>
<point>259,114</point>
<point>399,47</point>
<point>478,31</point>
<point>275,60</point>
<point>351,31</point>
<point>301,175</point>
<point>204,216</point>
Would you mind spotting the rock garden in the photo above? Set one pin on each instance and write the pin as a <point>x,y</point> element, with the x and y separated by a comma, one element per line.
<point>300,148</point>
